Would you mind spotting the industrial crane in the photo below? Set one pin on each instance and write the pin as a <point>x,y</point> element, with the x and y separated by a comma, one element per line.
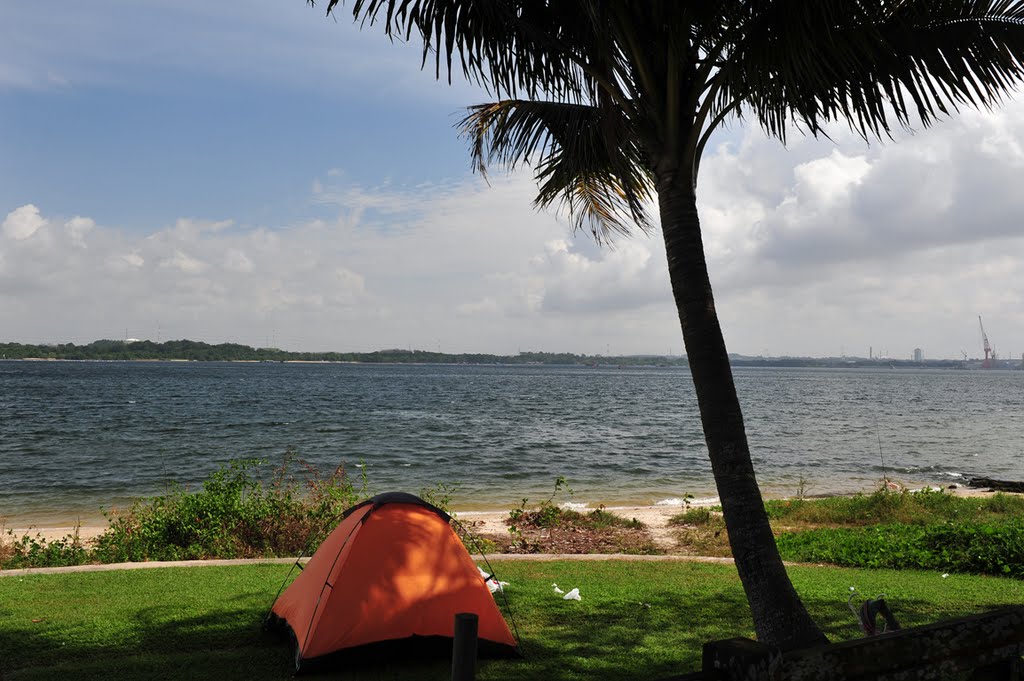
<point>990,355</point>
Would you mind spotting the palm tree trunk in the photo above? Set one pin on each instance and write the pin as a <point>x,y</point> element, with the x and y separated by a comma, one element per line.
<point>780,618</point>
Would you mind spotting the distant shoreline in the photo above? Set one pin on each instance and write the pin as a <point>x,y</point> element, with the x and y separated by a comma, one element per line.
<point>197,351</point>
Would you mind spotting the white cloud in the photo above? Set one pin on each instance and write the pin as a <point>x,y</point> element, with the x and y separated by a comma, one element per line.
<point>485,307</point>
<point>183,262</point>
<point>21,223</point>
<point>568,280</point>
<point>125,262</point>
<point>831,179</point>
<point>348,281</point>
<point>78,228</point>
<point>896,245</point>
<point>188,230</point>
<point>237,261</point>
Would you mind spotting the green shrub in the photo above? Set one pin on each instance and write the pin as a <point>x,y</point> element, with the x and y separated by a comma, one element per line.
<point>441,495</point>
<point>546,515</point>
<point>36,551</point>
<point>885,506</point>
<point>692,516</point>
<point>992,548</point>
<point>234,515</point>
<point>1002,504</point>
<point>888,546</point>
<point>600,519</point>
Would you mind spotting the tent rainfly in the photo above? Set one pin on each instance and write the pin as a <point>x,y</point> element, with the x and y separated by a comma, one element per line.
<point>390,577</point>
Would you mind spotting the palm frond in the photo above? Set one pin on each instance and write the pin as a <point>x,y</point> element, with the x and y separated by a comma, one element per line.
<point>506,46</point>
<point>815,62</point>
<point>946,53</point>
<point>593,167</point>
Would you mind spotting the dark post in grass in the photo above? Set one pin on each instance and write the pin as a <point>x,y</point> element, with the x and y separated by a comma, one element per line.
<point>464,647</point>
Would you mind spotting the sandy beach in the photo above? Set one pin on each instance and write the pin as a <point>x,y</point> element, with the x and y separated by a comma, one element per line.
<point>486,522</point>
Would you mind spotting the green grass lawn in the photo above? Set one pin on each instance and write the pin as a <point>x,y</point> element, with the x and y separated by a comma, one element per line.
<point>637,620</point>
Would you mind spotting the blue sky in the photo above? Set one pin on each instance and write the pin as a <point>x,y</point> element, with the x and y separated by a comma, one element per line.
<point>183,169</point>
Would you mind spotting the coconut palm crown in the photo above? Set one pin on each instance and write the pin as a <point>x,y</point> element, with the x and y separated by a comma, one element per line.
<point>612,103</point>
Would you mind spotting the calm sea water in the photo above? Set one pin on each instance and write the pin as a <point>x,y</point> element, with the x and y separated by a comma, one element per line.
<point>75,437</point>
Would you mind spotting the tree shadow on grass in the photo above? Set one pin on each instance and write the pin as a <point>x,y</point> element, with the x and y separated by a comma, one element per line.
<point>159,644</point>
<point>619,639</point>
<point>156,642</point>
<point>664,637</point>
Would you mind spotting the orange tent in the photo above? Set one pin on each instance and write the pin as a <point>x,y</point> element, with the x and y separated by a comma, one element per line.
<point>392,573</point>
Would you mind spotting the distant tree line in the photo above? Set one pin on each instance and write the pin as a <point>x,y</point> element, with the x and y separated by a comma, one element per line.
<point>198,351</point>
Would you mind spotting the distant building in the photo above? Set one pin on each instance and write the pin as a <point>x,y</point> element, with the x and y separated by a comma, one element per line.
<point>918,355</point>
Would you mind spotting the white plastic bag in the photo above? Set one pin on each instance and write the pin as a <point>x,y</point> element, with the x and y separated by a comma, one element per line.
<point>493,585</point>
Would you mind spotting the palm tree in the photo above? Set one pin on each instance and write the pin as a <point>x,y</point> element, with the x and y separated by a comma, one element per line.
<point>612,102</point>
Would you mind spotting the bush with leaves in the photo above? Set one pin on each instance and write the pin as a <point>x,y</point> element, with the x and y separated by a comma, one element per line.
<point>884,506</point>
<point>989,548</point>
<point>37,551</point>
<point>234,515</point>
